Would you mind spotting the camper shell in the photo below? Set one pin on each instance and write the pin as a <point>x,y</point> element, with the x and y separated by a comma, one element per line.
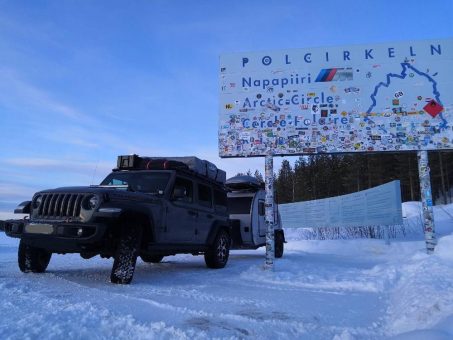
<point>246,207</point>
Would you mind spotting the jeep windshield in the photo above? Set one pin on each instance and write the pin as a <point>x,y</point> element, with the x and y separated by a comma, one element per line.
<point>147,182</point>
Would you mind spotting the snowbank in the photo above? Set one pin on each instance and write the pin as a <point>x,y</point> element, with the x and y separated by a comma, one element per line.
<point>422,297</point>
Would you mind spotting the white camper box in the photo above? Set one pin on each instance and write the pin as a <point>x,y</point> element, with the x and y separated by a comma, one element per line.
<point>246,204</point>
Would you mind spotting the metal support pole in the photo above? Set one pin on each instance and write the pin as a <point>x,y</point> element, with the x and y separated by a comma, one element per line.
<point>387,234</point>
<point>427,201</point>
<point>269,182</point>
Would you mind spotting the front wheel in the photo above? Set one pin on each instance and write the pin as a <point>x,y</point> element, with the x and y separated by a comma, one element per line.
<point>32,259</point>
<point>217,255</point>
<point>126,254</point>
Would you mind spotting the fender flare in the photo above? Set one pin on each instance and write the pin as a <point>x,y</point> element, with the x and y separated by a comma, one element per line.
<point>216,227</point>
<point>146,219</point>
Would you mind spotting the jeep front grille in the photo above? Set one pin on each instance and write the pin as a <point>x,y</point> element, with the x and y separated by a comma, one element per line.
<point>61,205</point>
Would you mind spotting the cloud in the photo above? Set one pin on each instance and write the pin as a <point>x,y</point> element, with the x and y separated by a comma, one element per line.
<point>12,194</point>
<point>47,117</point>
<point>59,164</point>
<point>48,173</point>
<point>13,191</point>
<point>16,92</point>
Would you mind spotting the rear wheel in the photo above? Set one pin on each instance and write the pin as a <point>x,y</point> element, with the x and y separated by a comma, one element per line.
<point>279,245</point>
<point>151,258</point>
<point>32,259</point>
<point>126,254</point>
<point>217,255</point>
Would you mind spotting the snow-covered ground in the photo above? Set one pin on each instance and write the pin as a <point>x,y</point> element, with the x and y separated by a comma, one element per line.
<point>339,289</point>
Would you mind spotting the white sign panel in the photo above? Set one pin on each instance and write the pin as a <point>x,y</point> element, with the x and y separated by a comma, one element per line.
<point>383,97</point>
<point>377,206</point>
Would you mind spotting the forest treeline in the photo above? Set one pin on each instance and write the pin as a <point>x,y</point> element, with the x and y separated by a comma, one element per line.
<point>320,176</point>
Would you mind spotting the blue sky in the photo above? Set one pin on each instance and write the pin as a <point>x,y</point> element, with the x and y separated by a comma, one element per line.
<point>84,81</point>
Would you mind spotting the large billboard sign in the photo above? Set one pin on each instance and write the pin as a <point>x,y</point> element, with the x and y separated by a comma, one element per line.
<point>380,97</point>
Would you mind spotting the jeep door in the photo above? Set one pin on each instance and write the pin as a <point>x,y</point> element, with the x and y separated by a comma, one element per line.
<point>181,215</point>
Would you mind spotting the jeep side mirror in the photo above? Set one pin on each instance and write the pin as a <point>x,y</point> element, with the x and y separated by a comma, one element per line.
<point>261,208</point>
<point>178,193</point>
<point>23,208</point>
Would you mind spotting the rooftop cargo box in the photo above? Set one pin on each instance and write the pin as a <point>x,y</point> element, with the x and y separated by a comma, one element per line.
<point>200,166</point>
<point>244,182</point>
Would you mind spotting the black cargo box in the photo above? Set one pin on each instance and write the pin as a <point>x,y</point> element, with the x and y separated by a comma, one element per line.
<point>200,166</point>
<point>244,182</point>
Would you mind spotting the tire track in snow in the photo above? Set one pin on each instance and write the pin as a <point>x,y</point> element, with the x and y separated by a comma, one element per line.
<point>192,292</point>
<point>239,322</point>
<point>46,314</point>
<point>183,300</point>
<point>95,308</point>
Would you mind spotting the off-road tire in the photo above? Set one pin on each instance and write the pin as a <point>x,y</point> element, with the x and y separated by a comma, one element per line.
<point>151,258</point>
<point>279,245</point>
<point>217,255</point>
<point>32,259</point>
<point>126,254</point>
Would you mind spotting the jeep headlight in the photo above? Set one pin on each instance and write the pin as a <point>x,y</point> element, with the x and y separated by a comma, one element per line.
<point>91,202</point>
<point>37,202</point>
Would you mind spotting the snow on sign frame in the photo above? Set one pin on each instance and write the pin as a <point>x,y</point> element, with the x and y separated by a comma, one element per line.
<point>379,97</point>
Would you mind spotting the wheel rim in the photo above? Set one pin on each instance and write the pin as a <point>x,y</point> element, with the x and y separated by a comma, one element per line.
<point>222,249</point>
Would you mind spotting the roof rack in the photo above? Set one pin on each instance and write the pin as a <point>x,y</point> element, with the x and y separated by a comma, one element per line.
<point>193,164</point>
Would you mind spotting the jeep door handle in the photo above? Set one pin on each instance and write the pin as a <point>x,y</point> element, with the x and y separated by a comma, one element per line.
<point>192,213</point>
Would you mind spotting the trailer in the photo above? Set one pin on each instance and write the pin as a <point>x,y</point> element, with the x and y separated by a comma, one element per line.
<point>246,206</point>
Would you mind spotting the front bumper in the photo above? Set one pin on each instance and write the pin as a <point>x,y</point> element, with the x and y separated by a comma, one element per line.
<point>59,237</point>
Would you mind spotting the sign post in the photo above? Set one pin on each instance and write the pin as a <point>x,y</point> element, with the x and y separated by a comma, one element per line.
<point>269,183</point>
<point>387,234</point>
<point>427,201</point>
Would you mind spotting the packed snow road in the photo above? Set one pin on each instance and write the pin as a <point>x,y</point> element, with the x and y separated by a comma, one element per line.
<point>182,298</point>
<point>342,289</point>
<point>318,290</point>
